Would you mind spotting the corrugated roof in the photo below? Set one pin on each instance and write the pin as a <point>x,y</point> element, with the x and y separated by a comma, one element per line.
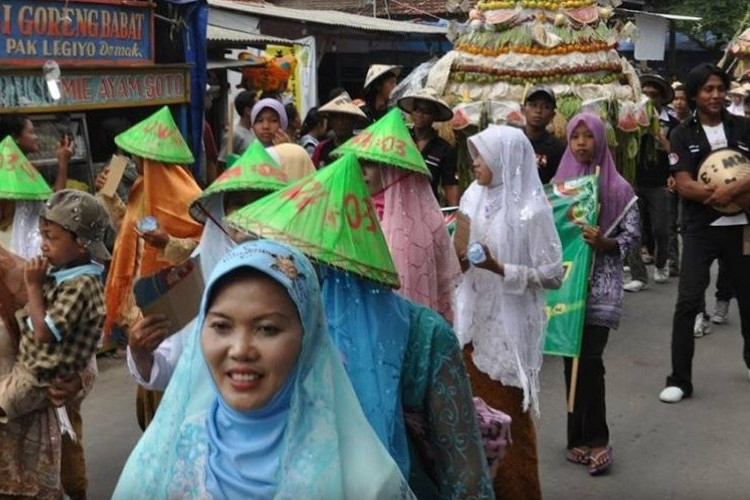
<point>226,35</point>
<point>329,18</point>
<point>413,8</point>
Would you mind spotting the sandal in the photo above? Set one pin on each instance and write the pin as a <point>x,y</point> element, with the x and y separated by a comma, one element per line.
<point>579,455</point>
<point>601,461</point>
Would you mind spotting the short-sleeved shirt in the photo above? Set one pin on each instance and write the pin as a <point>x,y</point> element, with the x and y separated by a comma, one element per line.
<point>549,150</point>
<point>653,162</point>
<point>441,159</point>
<point>690,146</point>
<point>75,311</point>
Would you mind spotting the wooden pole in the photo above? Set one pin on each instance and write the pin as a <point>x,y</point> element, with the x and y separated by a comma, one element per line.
<point>573,385</point>
<point>574,368</point>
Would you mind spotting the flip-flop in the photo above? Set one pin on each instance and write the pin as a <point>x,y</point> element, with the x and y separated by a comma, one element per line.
<point>596,465</point>
<point>579,455</point>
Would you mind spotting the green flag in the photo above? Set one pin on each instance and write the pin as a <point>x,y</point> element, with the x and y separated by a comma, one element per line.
<point>386,141</point>
<point>575,205</point>
<point>330,217</point>
<point>19,180</point>
<point>157,138</point>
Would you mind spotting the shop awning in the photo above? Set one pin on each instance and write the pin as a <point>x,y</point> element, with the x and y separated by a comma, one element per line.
<point>331,18</point>
<point>229,36</point>
<point>230,64</point>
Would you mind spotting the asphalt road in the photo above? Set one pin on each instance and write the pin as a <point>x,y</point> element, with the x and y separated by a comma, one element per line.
<point>697,449</point>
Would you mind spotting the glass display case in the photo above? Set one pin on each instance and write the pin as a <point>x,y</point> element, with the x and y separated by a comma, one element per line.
<point>50,128</point>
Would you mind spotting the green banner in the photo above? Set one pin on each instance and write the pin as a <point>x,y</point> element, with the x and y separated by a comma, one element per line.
<point>576,205</point>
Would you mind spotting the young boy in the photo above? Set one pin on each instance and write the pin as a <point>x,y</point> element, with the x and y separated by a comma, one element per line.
<point>63,319</point>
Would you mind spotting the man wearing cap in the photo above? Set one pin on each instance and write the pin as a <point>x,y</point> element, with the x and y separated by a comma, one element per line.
<point>651,179</point>
<point>539,110</point>
<point>380,82</point>
<point>709,234</point>
<point>426,108</point>
<point>343,115</point>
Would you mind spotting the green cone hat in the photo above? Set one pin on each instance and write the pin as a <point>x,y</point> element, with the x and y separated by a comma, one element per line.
<point>330,217</point>
<point>387,141</point>
<point>157,138</point>
<point>255,170</point>
<point>19,180</point>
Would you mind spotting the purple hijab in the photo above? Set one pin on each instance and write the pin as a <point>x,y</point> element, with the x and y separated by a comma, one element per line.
<point>615,193</point>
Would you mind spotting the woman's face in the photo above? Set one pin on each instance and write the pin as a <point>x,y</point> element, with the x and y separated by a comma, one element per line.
<point>267,123</point>
<point>28,142</point>
<point>482,172</point>
<point>583,144</point>
<point>388,85</point>
<point>342,125</point>
<point>251,340</point>
<point>373,177</point>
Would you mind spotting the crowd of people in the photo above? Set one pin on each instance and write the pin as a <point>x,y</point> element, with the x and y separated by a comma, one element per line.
<point>392,365</point>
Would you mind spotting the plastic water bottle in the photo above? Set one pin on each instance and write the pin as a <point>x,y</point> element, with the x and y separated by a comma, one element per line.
<point>148,224</point>
<point>476,254</point>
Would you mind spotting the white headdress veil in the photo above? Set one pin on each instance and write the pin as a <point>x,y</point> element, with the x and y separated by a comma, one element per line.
<point>502,316</point>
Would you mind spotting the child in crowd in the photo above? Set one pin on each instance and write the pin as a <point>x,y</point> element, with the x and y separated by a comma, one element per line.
<point>617,231</point>
<point>62,323</point>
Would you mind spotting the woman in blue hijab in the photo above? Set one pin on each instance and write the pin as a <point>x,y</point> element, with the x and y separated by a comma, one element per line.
<point>260,405</point>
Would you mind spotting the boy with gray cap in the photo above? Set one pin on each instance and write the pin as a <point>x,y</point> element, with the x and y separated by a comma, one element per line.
<point>62,322</point>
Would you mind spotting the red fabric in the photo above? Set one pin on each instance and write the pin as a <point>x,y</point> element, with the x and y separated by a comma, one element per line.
<point>209,143</point>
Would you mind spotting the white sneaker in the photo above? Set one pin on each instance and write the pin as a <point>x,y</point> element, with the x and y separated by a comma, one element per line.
<point>634,286</point>
<point>661,274</point>
<point>671,394</point>
<point>702,326</point>
<point>721,312</point>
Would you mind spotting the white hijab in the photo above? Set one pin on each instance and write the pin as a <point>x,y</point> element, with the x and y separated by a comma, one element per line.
<point>504,317</point>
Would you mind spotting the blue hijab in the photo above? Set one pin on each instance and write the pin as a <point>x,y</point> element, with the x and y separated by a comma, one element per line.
<point>311,441</point>
<point>370,326</point>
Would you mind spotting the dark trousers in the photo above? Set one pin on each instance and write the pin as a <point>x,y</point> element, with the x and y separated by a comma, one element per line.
<point>699,250</point>
<point>654,205</point>
<point>587,425</point>
<point>724,286</point>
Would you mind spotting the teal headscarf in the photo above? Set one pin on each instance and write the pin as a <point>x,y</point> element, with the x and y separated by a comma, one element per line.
<point>328,450</point>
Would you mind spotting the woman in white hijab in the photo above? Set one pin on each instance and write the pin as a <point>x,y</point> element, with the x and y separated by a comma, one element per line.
<point>500,317</point>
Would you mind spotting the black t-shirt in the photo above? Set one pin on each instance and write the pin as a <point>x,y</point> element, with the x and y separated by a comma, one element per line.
<point>441,159</point>
<point>690,147</point>
<point>653,162</point>
<point>549,150</point>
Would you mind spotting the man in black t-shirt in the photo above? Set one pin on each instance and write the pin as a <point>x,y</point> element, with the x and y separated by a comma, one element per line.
<point>651,178</point>
<point>539,110</point>
<point>709,234</point>
<point>425,109</point>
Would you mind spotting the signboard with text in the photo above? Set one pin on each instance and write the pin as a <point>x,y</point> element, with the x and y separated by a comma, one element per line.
<point>95,89</point>
<point>82,32</point>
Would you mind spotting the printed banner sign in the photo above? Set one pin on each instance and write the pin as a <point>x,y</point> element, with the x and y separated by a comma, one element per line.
<point>89,90</point>
<point>575,205</point>
<point>76,32</point>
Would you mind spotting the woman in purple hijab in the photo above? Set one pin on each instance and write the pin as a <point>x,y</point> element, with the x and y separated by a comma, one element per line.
<point>618,230</point>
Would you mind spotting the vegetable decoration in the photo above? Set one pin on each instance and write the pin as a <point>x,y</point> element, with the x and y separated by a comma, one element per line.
<point>566,45</point>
